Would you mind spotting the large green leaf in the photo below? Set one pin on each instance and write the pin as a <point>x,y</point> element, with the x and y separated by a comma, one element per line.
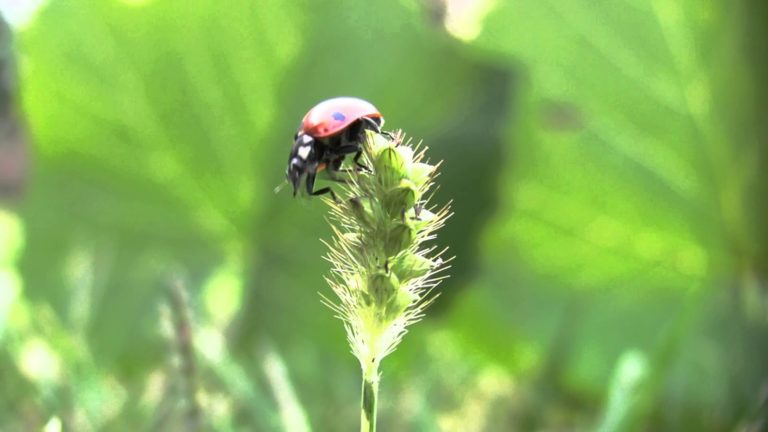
<point>148,122</point>
<point>627,189</point>
<point>621,159</point>
<point>165,137</point>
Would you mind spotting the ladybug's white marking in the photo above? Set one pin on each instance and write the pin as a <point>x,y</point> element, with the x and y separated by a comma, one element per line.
<point>303,151</point>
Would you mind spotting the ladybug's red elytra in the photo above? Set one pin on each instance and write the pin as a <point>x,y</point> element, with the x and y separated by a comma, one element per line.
<point>330,130</point>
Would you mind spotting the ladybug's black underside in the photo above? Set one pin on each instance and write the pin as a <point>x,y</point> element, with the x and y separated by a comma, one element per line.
<point>310,154</point>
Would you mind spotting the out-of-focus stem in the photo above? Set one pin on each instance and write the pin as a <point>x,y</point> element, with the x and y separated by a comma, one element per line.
<point>370,396</point>
<point>183,333</point>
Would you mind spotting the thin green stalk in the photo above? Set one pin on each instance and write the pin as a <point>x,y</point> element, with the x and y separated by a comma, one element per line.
<point>370,396</point>
<point>186,351</point>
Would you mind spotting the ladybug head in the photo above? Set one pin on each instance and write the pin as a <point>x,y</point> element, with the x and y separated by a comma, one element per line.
<point>303,160</point>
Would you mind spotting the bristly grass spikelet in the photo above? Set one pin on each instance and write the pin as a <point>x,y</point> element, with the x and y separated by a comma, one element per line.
<point>381,270</point>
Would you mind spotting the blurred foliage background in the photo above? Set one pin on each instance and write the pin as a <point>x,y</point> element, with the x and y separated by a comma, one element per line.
<point>607,163</point>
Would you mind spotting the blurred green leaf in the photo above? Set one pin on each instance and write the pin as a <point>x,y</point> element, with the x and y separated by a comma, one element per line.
<point>162,140</point>
<point>618,148</point>
<point>149,158</point>
<point>627,188</point>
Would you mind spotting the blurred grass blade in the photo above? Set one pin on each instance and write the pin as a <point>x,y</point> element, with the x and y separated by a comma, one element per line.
<point>11,244</point>
<point>261,413</point>
<point>626,405</point>
<point>292,413</point>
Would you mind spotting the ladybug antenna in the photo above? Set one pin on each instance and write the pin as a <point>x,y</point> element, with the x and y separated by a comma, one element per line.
<point>281,186</point>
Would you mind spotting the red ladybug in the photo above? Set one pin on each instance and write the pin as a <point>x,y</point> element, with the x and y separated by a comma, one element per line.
<point>331,130</point>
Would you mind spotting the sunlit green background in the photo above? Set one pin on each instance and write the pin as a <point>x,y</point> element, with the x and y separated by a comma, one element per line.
<point>606,161</point>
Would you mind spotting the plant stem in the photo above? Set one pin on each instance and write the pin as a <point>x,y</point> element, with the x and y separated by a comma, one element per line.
<point>186,350</point>
<point>370,395</point>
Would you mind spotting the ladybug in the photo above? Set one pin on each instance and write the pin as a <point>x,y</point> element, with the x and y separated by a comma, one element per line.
<point>330,130</point>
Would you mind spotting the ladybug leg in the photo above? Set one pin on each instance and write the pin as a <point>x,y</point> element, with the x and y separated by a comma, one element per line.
<point>349,149</point>
<point>346,149</point>
<point>334,166</point>
<point>369,124</point>
<point>332,175</point>
<point>326,190</point>
<point>373,125</point>
<point>359,164</point>
<point>357,133</point>
<point>323,191</point>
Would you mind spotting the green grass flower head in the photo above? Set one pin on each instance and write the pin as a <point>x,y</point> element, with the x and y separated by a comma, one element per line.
<point>382,272</point>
